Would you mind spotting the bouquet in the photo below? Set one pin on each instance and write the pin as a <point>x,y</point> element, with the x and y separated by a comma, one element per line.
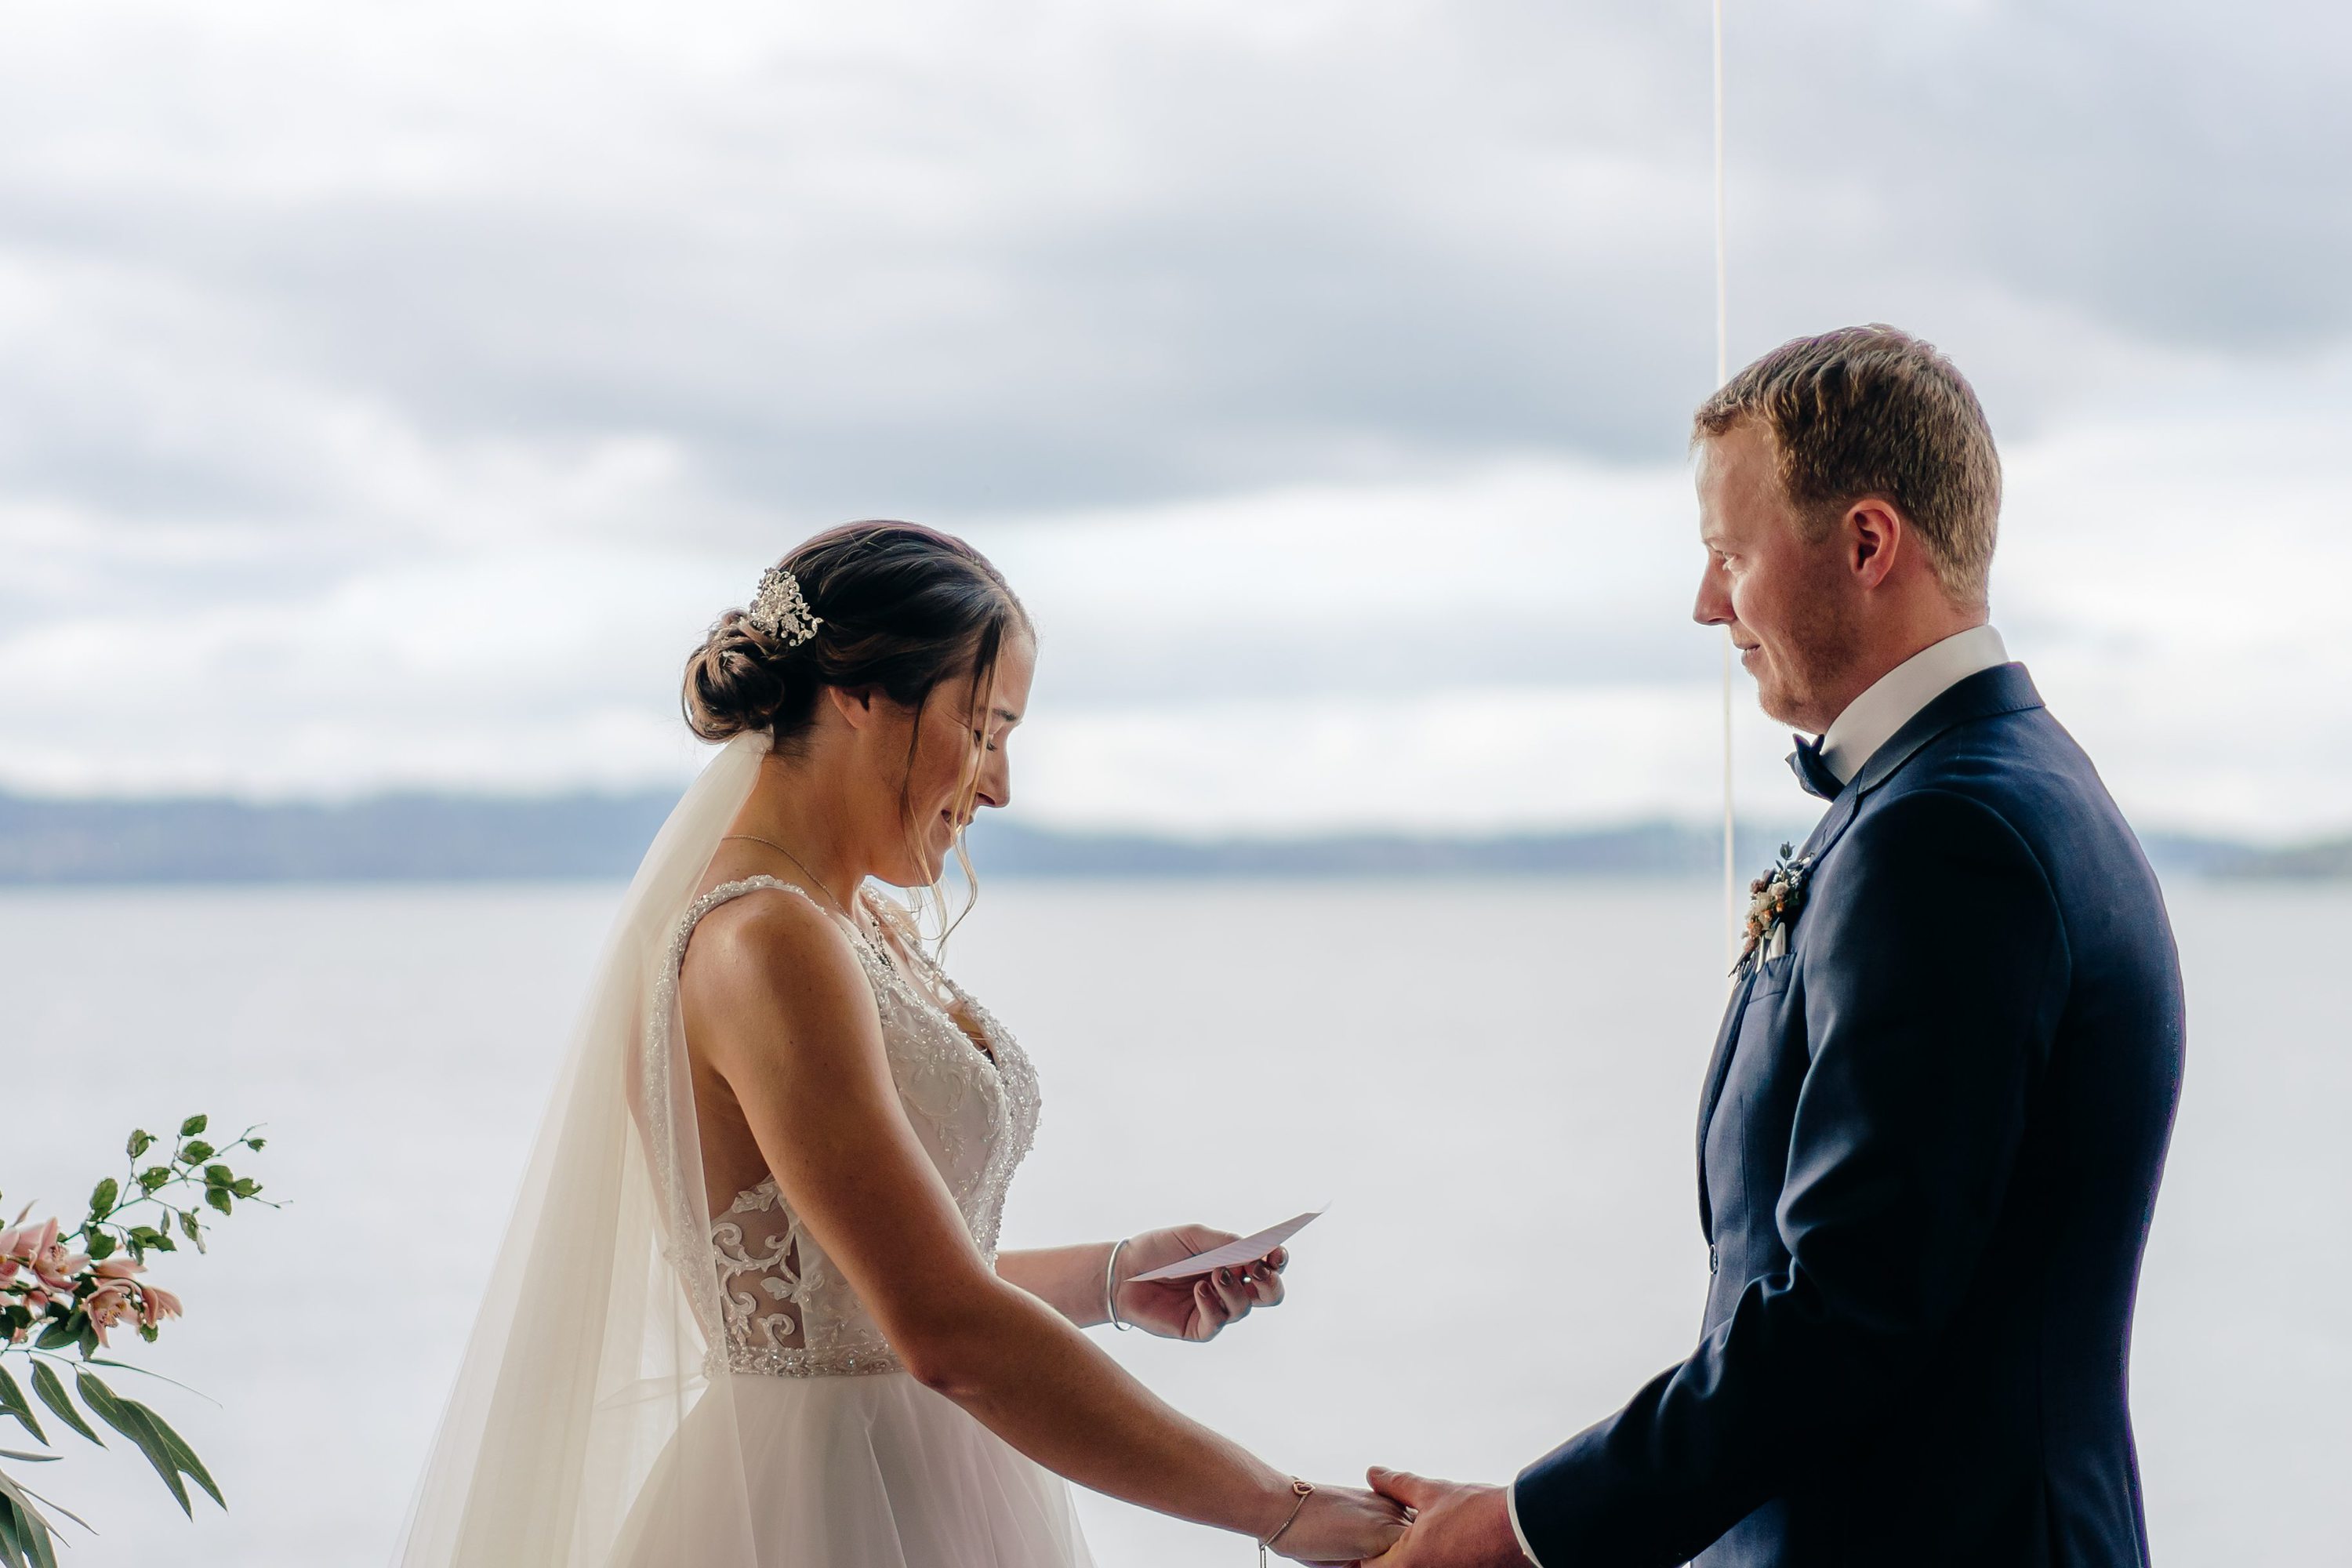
<point>64,1295</point>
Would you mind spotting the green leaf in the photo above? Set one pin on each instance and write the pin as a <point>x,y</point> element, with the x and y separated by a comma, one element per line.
<point>57,1336</point>
<point>197,1153</point>
<point>164,1448</point>
<point>182,1455</point>
<point>32,1537</point>
<point>154,1177</point>
<point>30,1458</point>
<point>27,1531</point>
<point>189,1229</point>
<point>12,1540</point>
<point>218,1198</point>
<point>140,1142</point>
<point>121,1415</point>
<point>101,1245</point>
<point>12,1401</point>
<point>219,1175</point>
<point>192,1126</point>
<point>144,1372</point>
<point>101,1197</point>
<point>244,1186</point>
<point>253,1144</point>
<point>52,1389</point>
<point>19,1488</point>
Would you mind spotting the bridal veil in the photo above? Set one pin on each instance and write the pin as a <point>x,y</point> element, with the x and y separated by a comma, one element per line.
<point>589,1352</point>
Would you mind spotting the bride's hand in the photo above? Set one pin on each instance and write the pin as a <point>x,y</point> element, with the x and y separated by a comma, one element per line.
<point>1191,1309</point>
<point>1340,1524</point>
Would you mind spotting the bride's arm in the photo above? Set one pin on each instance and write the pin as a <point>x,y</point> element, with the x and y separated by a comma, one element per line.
<point>779,1007</point>
<point>1068,1278</point>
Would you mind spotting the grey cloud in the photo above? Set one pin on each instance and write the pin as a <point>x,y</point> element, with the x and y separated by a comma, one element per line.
<point>879,288</point>
<point>2169,177</point>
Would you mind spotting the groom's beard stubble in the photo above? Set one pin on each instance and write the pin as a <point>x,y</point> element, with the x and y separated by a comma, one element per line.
<point>1818,647</point>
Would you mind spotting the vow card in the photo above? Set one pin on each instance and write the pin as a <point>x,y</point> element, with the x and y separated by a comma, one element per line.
<point>1248,1249</point>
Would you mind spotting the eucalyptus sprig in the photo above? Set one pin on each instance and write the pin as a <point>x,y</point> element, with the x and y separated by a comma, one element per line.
<point>62,1292</point>
<point>194,1168</point>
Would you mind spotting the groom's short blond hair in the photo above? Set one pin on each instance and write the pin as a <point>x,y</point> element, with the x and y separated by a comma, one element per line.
<point>1871,411</point>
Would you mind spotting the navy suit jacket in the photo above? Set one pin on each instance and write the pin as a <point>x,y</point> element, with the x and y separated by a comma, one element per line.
<point>1928,1153</point>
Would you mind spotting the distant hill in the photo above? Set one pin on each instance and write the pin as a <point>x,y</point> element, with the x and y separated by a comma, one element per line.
<point>2311,861</point>
<point>392,837</point>
<point>442,837</point>
<point>1641,849</point>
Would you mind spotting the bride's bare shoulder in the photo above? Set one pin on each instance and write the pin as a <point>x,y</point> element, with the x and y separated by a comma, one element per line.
<point>771,955</point>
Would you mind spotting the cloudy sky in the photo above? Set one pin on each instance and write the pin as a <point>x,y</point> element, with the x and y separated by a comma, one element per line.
<point>391,391</point>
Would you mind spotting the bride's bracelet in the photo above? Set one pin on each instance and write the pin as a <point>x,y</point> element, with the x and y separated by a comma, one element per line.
<point>1303,1490</point>
<point>1111,1287</point>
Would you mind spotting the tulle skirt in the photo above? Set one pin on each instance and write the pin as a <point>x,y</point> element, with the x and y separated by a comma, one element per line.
<point>858,1472</point>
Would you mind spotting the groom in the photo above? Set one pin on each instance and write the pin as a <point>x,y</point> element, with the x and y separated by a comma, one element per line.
<point>1931,1134</point>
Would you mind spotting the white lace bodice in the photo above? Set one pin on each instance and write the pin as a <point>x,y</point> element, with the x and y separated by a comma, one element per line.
<point>787,1312</point>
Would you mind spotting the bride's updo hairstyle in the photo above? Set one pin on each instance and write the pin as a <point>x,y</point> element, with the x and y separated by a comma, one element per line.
<point>900,608</point>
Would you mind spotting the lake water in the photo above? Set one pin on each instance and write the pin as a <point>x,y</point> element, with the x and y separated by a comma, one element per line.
<point>1494,1085</point>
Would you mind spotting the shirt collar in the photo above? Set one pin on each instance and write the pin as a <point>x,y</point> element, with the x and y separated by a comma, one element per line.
<point>1870,720</point>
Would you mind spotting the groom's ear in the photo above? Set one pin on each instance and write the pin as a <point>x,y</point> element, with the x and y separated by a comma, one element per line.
<point>1876,537</point>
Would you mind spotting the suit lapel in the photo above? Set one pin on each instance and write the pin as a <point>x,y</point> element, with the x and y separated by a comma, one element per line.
<point>2005,688</point>
<point>1718,1067</point>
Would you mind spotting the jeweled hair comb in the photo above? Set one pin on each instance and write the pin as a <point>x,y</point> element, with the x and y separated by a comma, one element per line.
<point>779,610</point>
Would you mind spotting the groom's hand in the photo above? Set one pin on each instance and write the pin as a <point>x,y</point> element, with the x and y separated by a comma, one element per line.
<point>1193,1309</point>
<point>1455,1525</point>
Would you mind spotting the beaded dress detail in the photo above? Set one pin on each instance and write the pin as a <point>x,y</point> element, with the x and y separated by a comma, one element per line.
<point>785,1310</point>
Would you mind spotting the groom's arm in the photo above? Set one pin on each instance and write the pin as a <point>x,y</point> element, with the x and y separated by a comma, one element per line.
<point>1933,985</point>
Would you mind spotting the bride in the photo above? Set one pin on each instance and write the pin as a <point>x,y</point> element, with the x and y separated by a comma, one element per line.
<point>751,1312</point>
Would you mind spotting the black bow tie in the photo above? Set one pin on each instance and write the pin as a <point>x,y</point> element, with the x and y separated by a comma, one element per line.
<point>1813,771</point>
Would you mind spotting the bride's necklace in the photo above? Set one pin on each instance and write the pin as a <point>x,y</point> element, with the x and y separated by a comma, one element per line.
<point>855,924</point>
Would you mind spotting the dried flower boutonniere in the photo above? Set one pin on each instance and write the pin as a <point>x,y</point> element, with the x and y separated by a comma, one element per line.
<point>1776,898</point>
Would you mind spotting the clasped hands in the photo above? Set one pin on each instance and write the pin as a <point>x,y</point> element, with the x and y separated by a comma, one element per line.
<point>1404,1521</point>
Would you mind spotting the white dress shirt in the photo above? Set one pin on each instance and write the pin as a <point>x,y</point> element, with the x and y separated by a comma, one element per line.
<point>1868,722</point>
<point>1892,701</point>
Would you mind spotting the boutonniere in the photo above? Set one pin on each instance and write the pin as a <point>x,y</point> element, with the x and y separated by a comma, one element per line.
<point>1774,900</point>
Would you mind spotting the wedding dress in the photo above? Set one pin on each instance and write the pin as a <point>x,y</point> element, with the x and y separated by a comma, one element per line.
<point>650,1385</point>
<point>853,1462</point>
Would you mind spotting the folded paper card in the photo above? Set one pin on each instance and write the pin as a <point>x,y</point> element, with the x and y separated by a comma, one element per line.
<point>1248,1249</point>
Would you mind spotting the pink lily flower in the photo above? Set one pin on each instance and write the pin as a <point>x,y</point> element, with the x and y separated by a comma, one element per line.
<point>20,1245</point>
<point>23,1242</point>
<point>52,1264</point>
<point>110,1305</point>
<point>155,1304</point>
